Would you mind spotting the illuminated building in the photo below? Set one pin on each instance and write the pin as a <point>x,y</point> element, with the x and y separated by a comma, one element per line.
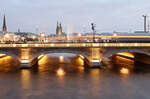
<point>42,37</point>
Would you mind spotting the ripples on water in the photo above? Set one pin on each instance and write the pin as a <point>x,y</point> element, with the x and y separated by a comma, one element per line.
<point>67,78</point>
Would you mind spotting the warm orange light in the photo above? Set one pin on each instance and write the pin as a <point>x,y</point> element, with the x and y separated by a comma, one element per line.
<point>79,34</point>
<point>81,56</point>
<point>1,55</point>
<point>42,59</point>
<point>127,54</point>
<point>124,71</point>
<point>60,72</point>
<point>61,58</point>
<point>115,34</point>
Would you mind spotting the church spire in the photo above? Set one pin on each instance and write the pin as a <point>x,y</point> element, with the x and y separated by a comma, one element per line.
<point>60,26</point>
<point>57,28</point>
<point>4,25</point>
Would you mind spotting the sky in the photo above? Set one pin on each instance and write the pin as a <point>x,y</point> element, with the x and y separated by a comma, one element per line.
<point>75,15</point>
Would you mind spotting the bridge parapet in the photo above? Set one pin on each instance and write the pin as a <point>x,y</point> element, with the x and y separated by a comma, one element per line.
<point>76,45</point>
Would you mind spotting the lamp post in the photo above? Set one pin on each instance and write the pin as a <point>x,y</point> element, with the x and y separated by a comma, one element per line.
<point>145,23</point>
<point>93,29</point>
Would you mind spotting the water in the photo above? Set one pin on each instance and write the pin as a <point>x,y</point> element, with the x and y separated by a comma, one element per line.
<point>73,81</point>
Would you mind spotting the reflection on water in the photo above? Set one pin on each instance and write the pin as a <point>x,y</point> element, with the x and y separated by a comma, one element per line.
<point>124,71</point>
<point>25,79</point>
<point>60,72</point>
<point>61,59</point>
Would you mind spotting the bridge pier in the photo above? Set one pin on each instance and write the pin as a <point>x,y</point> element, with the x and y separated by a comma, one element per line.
<point>25,57</point>
<point>95,58</point>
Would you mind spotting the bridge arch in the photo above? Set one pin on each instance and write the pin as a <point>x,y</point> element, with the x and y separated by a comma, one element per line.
<point>38,56</point>
<point>10,54</point>
<point>110,53</point>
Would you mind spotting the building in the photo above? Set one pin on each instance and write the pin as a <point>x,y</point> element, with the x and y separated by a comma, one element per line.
<point>42,37</point>
<point>4,26</point>
<point>59,29</point>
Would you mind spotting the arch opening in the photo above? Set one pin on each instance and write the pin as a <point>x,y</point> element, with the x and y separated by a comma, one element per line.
<point>8,63</point>
<point>126,62</point>
<point>54,61</point>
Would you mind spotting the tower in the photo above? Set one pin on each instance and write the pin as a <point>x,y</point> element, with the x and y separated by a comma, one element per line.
<point>4,26</point>
<point>59,29</point>
<point>145,24</point>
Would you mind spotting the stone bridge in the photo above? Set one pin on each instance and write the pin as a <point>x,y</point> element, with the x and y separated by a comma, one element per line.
<point>90,54</point>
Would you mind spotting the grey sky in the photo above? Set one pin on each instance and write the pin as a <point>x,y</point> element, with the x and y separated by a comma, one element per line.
<point>109,15</point>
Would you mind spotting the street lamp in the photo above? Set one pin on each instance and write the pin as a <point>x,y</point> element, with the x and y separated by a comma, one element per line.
<point>93,29</point>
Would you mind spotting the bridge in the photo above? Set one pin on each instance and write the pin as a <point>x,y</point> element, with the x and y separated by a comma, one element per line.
<point>92,53</point>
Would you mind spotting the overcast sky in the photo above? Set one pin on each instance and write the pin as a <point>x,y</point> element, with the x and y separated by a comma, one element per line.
<point>75,15</point>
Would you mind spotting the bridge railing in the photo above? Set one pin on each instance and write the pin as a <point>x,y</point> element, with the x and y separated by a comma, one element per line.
<point>78,45</point>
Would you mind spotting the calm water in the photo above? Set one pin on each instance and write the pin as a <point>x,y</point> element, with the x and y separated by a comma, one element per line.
<point>71,81</point>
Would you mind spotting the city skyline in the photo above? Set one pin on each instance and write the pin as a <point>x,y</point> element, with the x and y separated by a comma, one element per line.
<point>77,15</point>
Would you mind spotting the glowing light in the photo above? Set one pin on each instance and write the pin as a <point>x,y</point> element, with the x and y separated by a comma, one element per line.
<point>60,72</point>
<point>68,45</point>
<point>105,44</point>
<point>52,44</point>
<point>81,56</point>
<point>135,44</point>
<point>81,61</point>
<point>126,54</point>
<point>79,34</point>
<point>42,59</point>
<point>84,44</point>
<point>24,45</point>
<point>7,35</point>
<point>124,71</point>
<point>61,58</point>
<point>95,60</point>
<point>33,37</point>
<point>36,45</point>
<point>115,34</point>
<point>95,45</point>
<point>121,44</point>
<point>14,45</point>
<point>1,55</point>
<point>24,61</point>
<point>43,34</point>
<point>40,56</point>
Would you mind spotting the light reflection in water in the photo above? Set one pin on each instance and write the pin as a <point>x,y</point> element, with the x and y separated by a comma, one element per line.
<point>25,79</point>
<point>60,72</point>
<point>124,71</point>
<point>95,80</point>
<point>61,59</point>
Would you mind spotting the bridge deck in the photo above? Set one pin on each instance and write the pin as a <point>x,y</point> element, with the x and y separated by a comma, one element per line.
<point>77,45</point>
